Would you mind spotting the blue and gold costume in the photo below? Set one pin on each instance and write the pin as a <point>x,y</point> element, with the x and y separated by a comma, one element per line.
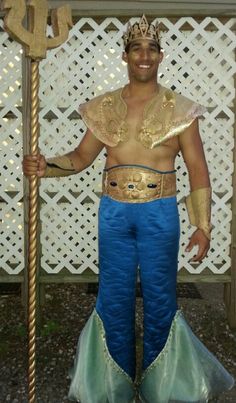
<point>139,228</point>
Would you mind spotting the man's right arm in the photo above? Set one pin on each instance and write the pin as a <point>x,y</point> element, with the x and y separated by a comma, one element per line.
<point>68,164</point>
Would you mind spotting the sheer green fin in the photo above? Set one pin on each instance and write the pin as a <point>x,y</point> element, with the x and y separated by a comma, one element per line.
<point>96,377</point>
<point>185,371</point>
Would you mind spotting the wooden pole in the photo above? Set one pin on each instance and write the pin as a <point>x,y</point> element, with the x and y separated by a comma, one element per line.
<point>36,44</point>
<point>33,220</point>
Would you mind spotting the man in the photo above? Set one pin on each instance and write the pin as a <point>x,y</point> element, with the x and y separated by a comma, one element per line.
<point>143,126</point>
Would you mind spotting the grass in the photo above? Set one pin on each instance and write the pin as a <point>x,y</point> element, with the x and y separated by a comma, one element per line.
<point>50,327</point>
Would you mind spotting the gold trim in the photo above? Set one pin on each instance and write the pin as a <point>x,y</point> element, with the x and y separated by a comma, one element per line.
<point>59,166</point>
<point>138,184</point>
<point>164,351</point>
<point>198,204</point>
<point>141,30</point>
<point>165,115</point>
<point>109,357</point>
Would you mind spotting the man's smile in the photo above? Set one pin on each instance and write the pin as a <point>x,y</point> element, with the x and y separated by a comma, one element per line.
<point>144,66</point>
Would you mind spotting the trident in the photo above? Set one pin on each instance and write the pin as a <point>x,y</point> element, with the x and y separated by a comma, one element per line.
<point>36,44</point>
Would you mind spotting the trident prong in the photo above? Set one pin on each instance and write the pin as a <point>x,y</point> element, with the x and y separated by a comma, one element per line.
<point>61,20</point>
<point>13,21</point>
<point>35,41</point>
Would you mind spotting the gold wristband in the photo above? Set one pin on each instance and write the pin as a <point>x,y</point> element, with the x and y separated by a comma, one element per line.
<point>198,205</point>
<point>59,166</point>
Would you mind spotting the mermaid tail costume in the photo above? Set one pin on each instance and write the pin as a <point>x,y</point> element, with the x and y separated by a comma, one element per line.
<point>139,232</point>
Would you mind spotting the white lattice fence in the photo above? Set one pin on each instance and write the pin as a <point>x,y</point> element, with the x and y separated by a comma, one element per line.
<point>200,63</point>
<point>11,192</point>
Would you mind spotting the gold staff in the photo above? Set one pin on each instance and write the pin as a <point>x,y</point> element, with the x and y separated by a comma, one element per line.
<point>36,44</point>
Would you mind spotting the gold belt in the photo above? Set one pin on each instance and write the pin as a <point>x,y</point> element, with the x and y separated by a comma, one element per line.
<point>137,184</point>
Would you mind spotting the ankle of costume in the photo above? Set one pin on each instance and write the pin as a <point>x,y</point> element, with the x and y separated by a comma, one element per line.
<point>198,204</point>
<point>59,166</point>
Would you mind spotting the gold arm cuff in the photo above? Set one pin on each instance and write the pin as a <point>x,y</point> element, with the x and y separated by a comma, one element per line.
<point>198,204</point>
<point>59,166</point>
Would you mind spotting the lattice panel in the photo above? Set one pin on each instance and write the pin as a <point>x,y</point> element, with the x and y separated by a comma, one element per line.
<point>11,208</point>
<point>199,62</point>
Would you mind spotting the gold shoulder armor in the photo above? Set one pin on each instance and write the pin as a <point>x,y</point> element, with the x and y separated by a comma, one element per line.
<point>104,116</point>
<point>167,116</point>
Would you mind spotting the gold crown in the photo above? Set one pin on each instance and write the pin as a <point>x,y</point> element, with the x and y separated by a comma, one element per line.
<point>141,30</point>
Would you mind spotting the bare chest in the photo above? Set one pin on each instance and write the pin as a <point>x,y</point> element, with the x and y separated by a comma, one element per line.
<point>135,116</point>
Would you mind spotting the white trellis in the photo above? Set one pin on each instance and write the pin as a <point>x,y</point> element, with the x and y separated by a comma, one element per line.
<point>199,62</point>
<point>11,189</point>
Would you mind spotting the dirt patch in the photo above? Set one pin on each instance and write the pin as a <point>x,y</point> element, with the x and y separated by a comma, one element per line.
<point>65,312</point>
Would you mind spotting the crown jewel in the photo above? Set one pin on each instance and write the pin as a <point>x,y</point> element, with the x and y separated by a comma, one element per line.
<point>141,30</point>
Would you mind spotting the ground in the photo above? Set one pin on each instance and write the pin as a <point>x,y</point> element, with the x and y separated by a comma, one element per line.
<point>65,312</point>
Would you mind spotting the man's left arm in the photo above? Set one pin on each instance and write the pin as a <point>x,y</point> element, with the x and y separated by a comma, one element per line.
<point>193,154</point>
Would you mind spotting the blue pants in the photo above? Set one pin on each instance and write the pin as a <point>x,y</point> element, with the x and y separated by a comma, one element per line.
<point>132,235</point>
<point>142,235</point>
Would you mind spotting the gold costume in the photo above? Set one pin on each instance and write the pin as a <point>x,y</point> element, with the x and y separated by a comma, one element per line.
<point>199,209</point>
<point>138,184</point>
<point>139,229</point>
<point>59,166</point>
<point>166,115</point>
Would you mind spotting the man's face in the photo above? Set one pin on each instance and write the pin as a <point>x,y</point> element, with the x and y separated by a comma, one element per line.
<point>143,59</point>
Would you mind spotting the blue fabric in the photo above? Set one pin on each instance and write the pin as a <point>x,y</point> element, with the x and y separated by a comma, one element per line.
<point>132,235</point>
<point>177,367</point>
